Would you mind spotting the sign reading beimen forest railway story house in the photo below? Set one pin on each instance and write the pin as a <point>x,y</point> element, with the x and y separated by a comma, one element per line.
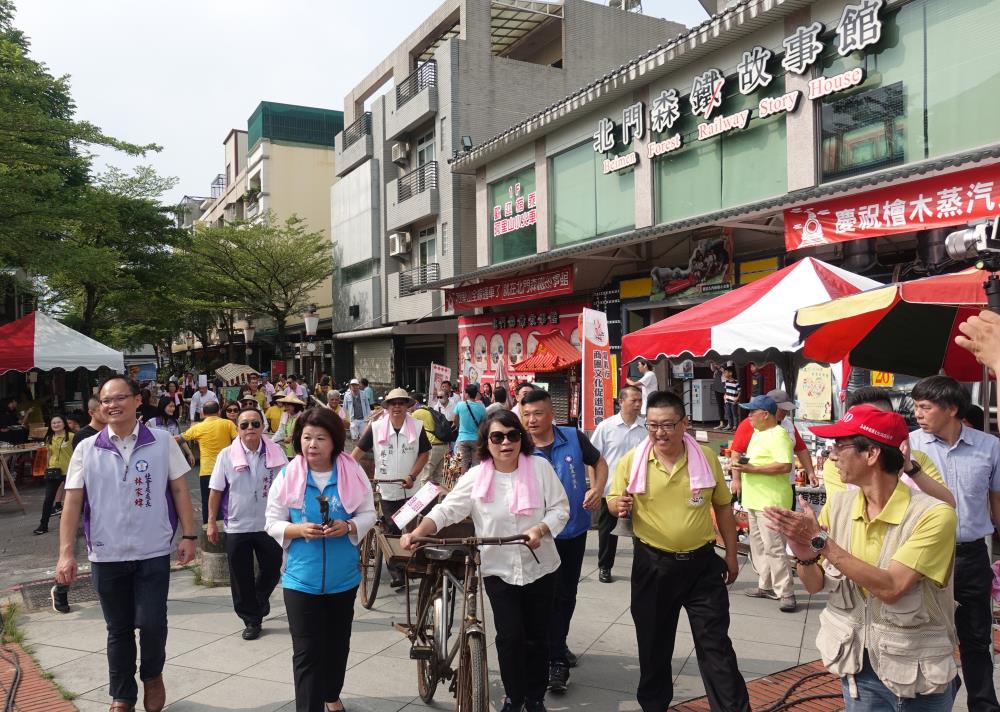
<point>859,27</point>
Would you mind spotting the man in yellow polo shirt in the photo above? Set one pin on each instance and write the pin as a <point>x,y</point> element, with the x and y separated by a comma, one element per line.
<point>674,564</point>
<point>888,629</point>
<point>439,448</point>
<point>213,435</point>
<point>927,479</point>
<point>765,484</point>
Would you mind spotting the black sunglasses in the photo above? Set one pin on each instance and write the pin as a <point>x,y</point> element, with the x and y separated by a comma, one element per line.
<point>250,424</point>
<point>497,437</point>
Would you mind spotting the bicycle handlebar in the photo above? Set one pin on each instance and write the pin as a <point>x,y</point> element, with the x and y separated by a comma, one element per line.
<point>471,541</point>
<point>388,482</point>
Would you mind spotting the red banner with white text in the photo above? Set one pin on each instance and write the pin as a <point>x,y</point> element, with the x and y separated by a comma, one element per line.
<point>942,201</point>
<point>541,286</point>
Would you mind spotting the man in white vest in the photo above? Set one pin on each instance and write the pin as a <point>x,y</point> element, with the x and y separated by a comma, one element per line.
<point>400,448</point>
<point>884,554</point>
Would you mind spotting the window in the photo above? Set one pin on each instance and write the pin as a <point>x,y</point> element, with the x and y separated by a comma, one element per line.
<point>511,216</point>
<point>357,272</point>
<point>426,247</point>
<point>425,148</point>
<point>586,201</point>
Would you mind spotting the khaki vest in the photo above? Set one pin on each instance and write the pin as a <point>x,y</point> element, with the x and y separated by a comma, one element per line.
<point>910,643</point>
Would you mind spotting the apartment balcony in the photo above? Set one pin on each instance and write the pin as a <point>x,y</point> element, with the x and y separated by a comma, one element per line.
<point>412,197</point>
<point>412,280</point>
<point>414,101</point>
<point>354,144</point>
<point>405,306</point>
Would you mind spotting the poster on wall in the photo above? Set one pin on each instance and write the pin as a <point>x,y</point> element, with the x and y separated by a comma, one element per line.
<point>439,374</point>
<point>495,343</point>
<point>709,271</point>
<point>814,392</point>
<point>598,398</point>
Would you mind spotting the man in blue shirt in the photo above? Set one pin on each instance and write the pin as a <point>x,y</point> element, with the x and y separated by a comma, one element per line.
<point>570,452</point>
<point>468,415</point>
<point>968,461</point>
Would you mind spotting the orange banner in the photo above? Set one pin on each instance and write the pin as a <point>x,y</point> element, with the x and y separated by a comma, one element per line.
<point>597,402</point>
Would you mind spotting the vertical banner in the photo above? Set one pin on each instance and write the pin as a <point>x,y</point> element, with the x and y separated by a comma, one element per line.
<point>439,374</point>
<point>597,402</point>
<point>814,392</point>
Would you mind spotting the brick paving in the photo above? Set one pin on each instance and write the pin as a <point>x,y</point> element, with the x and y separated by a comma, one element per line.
<point>34,692</point>
<point>807,688</point>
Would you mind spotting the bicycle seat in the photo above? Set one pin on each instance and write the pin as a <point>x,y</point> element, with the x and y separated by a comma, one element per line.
<point>444,553</point>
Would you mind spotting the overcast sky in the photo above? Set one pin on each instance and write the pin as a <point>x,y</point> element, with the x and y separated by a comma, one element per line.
<point>183,73</point>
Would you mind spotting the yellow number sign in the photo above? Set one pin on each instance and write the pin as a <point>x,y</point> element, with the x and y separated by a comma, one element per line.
<point>882,379</point>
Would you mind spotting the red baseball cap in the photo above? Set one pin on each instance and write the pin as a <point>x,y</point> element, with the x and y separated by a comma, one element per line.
<point>882,426</point>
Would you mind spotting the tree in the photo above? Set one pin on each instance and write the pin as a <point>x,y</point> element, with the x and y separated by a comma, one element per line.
<point>264,267</point>
<point>43,168</point>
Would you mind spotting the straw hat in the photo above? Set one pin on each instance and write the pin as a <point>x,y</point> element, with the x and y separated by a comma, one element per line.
<point>397,394</point>
<point>293,399</point>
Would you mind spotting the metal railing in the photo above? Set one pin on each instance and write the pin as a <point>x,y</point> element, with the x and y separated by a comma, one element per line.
<point>219,185</point>
<point>417,181</point>
<point>411,280</point>
<point>424,76</point>
<point>358,130</point>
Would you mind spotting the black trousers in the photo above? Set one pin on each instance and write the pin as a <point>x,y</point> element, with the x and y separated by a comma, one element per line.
<point>203,481</point>
<point>522,615</point>
<point>974,624</point>
<point>567,576</point>
<point>51,487</point>
<point>321,639</point>
<point>661,586</point>
<point>251,594</point>
<point>607,543</point>
<point>390,507</point>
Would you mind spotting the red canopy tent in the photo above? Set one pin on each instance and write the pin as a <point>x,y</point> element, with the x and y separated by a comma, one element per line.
<point>36,341</point>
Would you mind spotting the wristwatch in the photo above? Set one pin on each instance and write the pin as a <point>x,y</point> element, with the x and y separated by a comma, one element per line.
<point>818,542</point>
<point>189,537</point>
<point>915,468</point>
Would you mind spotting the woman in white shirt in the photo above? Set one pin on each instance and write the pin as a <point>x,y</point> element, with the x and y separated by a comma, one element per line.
<point>511,492</point>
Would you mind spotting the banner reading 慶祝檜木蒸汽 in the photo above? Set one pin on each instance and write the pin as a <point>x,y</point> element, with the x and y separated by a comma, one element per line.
<point>597,400</point>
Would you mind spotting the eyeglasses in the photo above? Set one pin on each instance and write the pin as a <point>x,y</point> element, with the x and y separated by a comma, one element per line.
<point>665,427</point>
<point>115,400</point>
<point>396,403</point>
<point>246,424</point>
<point>840,447</point>
<point>512,436</point>
<point>232,410</point>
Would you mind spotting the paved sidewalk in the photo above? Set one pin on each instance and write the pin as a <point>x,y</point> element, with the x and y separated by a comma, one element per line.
<point>210,668</point>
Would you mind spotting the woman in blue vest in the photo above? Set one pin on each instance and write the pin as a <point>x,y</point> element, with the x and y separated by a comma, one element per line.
<point>319,507</point>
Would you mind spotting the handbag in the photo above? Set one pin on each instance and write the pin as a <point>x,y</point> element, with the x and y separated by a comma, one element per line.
<point>53,473</point>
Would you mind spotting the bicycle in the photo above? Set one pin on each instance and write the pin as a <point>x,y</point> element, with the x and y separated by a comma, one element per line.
<point>373,548</point>
<point>449,569</point>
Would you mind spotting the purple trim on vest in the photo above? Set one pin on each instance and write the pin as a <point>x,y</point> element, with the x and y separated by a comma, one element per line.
<point>171,508</point>
<point>143,437</point>
<point>86,517</point>
<point>224,504</point>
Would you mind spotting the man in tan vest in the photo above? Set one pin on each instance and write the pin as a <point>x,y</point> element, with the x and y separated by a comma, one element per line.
<point>884,553</point>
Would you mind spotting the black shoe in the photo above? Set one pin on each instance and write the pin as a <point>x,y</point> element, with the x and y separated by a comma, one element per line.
<point>571,660</point>
<point>558,676</point>
<point>251,632</point>
<point>397,584</point>
<point>41,530</point>
<point>509,706</point>
<point>60,599</point>
<point>57,508</point>
<point>534,706</point>
<point>604,576</point>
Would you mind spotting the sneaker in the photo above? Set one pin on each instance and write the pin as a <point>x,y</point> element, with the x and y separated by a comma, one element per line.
<point>509,706</point>
<point>41,530</point>
<point>57,508</point>
<point>60,599</point>
<point>534,706</point>
<point>762,593</point>
<point>604,575</point>
<point>788,604</point>
<point>571,660</point>
<point>558,677</point>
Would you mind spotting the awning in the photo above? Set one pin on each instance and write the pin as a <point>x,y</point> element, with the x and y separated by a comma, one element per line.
<point>39,341</point>
<point>554,353</point>
<point>233,373</point>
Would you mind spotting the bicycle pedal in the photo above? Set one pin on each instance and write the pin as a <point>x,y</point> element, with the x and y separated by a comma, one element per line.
<point>421,652</point>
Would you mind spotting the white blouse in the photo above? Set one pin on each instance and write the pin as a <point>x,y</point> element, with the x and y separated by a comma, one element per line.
<point>512,562</point>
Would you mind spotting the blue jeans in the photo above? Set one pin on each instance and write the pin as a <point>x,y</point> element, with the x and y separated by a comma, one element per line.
<point>133,595</point>
<point>874,696</point>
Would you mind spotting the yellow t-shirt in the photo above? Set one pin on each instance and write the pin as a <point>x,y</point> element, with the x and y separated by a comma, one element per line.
<point>61,450</point>
<point>425,417</point>
<point>273,415</point>
<point>833,483</point>
<point>666,516</point>
<point>768,447</point>
<point>930,549</point>
<point>213,434</point>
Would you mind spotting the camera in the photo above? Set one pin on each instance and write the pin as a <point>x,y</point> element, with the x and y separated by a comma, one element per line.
<point>324,509</point>
<point>978,240</point>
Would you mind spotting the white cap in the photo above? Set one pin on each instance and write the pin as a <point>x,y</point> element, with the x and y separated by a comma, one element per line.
<point>355,382</point>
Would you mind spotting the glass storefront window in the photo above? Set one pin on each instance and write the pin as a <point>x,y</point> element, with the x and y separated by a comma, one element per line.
<point>586,202</point>
<point>511,219</point>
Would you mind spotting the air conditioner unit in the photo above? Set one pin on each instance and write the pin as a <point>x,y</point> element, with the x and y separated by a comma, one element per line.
<point>400,153</point>
<point>399,244</point>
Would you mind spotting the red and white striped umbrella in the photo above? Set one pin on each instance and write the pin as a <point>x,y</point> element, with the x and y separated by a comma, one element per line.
<point>39,341</point>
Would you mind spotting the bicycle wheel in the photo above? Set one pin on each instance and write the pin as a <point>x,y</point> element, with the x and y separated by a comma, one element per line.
<point>427,670</point>
<point>371,567</point>
<point>472,691</point>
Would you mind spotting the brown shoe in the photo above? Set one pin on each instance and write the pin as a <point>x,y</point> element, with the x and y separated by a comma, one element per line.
<point>121,706</point>
<point>154,694</point>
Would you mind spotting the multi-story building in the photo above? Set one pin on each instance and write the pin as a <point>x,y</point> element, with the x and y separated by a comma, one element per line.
<point>856,131</point>
<point>401,218</point>
<point>283,163</point>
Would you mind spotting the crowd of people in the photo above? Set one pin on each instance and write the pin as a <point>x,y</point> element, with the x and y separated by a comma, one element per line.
<point>900,547</point>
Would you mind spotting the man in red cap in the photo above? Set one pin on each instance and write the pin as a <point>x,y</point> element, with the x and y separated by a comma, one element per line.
<point>884,553</point>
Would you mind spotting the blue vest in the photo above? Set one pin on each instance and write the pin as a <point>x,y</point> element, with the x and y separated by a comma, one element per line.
<point>567,461</point>
<point>323,565</point>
